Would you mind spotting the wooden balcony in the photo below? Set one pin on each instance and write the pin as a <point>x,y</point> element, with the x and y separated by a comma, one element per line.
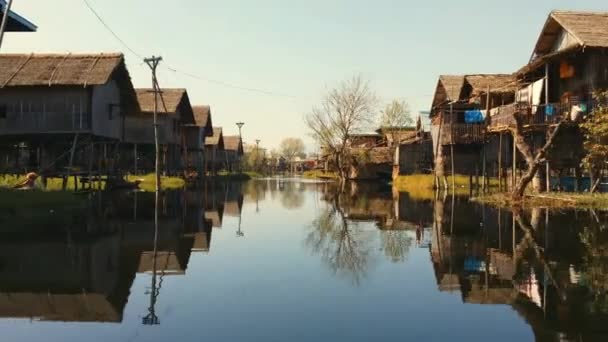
<point>532,116</point>
<point>462,133</point>
<point>42,123</point>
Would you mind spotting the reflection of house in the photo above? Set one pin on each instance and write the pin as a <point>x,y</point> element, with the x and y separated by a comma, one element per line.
<point>59,281</point>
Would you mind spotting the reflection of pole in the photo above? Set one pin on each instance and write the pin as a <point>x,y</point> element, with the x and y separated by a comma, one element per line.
<point>239,233</point>
<point>151,318</point>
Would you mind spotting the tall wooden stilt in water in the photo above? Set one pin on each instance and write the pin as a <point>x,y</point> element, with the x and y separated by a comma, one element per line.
<point>500,162</point>
<point>153,64</point>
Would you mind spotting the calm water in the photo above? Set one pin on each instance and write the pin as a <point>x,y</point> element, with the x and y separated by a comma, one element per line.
<point>287,260</point>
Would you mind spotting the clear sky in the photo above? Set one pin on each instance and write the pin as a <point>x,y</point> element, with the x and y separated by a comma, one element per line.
<point>296,48</point>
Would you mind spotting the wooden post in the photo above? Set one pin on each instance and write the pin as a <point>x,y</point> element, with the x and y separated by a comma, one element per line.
<point>71,162</point>
<point>514,174</point>
<point>484,175</point>
<point>500,162</point>
<point>548,175</point>
<point>135,158</point>
<point>91,158</point>
<point>452,146</point>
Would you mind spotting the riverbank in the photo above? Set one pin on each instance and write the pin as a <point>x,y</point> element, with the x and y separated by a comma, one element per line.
<point>548,200</point>
<point>319,174</point>
<point>422,186</point>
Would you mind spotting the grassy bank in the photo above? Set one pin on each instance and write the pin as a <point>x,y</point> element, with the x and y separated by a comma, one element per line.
<point>148,182</point>
<point>548,200</point>
<point>421,186</point>
<point>37,199</point>
<point>319,174</point>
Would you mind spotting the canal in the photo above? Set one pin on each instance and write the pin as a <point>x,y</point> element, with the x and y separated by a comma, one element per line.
<point>294,260</point>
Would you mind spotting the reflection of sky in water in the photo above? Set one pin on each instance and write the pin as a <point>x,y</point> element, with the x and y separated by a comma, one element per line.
<point>273,285</point>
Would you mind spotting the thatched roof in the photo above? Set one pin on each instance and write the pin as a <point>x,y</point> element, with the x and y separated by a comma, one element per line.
<point>454,88</point>
<point>169,101</point>
<point>16,23</point>
<point>233,143</point>
<point>58,69</point>
<point>589,29</point>
<point>217,139</point>
<point>202,118</point>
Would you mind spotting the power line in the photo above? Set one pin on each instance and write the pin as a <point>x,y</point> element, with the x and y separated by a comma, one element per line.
<point>122,42</point>
<point>178,71</point>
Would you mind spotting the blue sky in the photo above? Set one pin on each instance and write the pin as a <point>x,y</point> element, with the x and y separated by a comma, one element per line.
<point>296,48</point>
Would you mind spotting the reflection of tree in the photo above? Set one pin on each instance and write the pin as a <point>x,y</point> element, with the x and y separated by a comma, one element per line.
<point>595,268</point>
<point>396,244</point>
<point>291,197</point>
<point>343,246</point>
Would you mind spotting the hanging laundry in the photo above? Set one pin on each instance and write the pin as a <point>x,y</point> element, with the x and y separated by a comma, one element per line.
<point>537,91</point>
<point>473,116</point>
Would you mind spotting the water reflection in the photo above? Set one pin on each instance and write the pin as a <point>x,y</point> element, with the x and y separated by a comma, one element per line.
<point>79,261</point>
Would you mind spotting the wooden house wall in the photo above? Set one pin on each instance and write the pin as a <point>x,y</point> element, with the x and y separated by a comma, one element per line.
<point>139,129</point>
<point>194,136</point>
<point>35,110</point>
<point>415,158</point>
<point>590,74</point>
<point>106,111</point>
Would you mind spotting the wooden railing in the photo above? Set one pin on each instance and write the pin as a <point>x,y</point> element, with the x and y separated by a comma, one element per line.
<point>462,133</point>
<point>537,115</point>
<point>44,122</point>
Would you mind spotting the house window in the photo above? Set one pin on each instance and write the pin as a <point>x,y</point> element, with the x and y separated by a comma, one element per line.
<point>3,111</point>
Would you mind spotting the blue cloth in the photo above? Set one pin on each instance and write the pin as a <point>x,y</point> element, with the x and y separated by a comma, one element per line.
<point>549,110</point>
<point>473,116</point>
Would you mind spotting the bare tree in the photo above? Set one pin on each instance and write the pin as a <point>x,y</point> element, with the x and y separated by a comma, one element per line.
<point>533,160</point>
<point>346,109</point>
<point>292,148</point>
<point>395,116</point>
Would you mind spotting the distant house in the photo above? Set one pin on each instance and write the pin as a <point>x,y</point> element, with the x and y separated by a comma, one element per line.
<point>51,102</point>
<point>16,23</point>
<point>174,114</point>
<point>214,151</point>
<point>458,117</point>
<point>195,138</point>
<point>233,145</point>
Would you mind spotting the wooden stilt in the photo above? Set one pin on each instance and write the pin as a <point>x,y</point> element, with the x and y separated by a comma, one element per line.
<point>484,170</point>
<point>514,172</point>
<point>500,162</point>
<point>135,158</point>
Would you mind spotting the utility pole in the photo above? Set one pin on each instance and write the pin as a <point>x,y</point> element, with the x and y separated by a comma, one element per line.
<point>240,125</point>
<point>7,10</point>
<point>153,64</point>
<point>257,154</point>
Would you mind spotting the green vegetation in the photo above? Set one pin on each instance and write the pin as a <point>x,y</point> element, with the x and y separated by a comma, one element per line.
<point>148,182</point>
<point>421,186</point>
<point>53,184</point>
<point>319,174</point>
<point>551,200</point>
<point>37,199</point>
